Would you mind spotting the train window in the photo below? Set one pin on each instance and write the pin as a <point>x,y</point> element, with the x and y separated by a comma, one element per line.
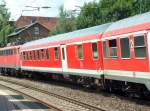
<point>24,56</point>
<point>113,48</point>
<point>47,54</point>
<point>14,51</point>
<point>38,54</point>
<point>11,52</point>
<point>31,55</point>
<point>5,52</point>
<point>27,56</point>
<point>34,52</point>
<point>139,46</point>
<point>95,50</point>
<point>125,47</point>
<point>56,52</point>
<point>80,51</point>
<point>42,51</point>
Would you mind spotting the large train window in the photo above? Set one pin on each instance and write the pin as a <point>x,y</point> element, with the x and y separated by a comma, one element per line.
<point>125,47</point>
<point>47,54</point>
<point>104,49</point>
<point>94,50</point>
<point>139,46</point>
<point>42,51</point>
<point>56,52</point>
<point>113,48</point>
<point>80,51</point>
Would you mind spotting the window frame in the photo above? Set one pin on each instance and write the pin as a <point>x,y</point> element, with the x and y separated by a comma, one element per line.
<point>38,54</point>
<point>109,56</point>
<point>134,36</point>
<point>55,54</point>
<point>42,54</point>
<point>92,50</point>
<point>77,52</point>
<point>31,57</point>
<point>34,55</point>
<point>129,47</point>
<point>27,55</point>
<point>47,52</point>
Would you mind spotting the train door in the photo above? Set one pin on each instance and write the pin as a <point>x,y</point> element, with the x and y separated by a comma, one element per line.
<point>64,57</point>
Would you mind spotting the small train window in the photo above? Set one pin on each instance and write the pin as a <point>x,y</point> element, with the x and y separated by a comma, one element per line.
<point>27,56</point>
<point>24,56</point>
<point>125,47</point>
<point>56,52</point>
<point>94,51</point>
<point>14,51</point>
<point>34,53</point>
<point>139,46</point>
<point>47,54</point>
<point>42,51</point>
<point>80,51</point>
<point>113,48</point>
<point>38,54</point>
<point>31,55</point>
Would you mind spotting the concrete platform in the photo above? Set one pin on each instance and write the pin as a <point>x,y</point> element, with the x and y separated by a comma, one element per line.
<point>11,101</point>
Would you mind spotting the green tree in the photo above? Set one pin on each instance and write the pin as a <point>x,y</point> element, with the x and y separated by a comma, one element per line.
<point>95,13</point>
<point>66,22</point>
<point>5,28</point>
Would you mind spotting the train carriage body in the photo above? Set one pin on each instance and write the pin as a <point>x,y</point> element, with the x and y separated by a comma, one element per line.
<point>77,53</point>
<point>10,57</point>
<point>126,50</point>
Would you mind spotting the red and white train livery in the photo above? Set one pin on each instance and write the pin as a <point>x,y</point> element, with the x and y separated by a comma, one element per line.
<point>76,53</point>
<point>113,55</point>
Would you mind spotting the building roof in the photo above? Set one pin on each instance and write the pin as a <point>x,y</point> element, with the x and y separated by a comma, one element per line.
<point>130,24</point>
<point>48,22</point>
<point>71,35</point>
<point>21,29</point>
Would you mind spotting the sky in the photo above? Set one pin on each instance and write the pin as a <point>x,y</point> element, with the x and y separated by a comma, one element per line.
<point>16,7</point>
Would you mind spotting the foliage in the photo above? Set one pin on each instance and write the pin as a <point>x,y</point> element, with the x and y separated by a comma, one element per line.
<point>95,13</point>
<point>5,27</point>
<point>66,22</point>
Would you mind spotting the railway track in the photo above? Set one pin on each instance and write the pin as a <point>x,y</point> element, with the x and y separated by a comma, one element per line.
<point>59,102</point>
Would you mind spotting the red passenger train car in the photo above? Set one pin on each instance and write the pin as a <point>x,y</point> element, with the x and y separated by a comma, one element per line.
<point>75,53</point>
<point>10,58</point>
<point>126,51</point>
<point>113,55</point>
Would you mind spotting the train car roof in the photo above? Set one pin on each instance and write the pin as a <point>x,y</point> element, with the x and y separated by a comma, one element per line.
<point>128,25</point>
<point>71,35</point>
<point>9,47</point>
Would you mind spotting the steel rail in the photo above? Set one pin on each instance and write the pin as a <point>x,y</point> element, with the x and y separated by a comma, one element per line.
<point>91,107</point>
